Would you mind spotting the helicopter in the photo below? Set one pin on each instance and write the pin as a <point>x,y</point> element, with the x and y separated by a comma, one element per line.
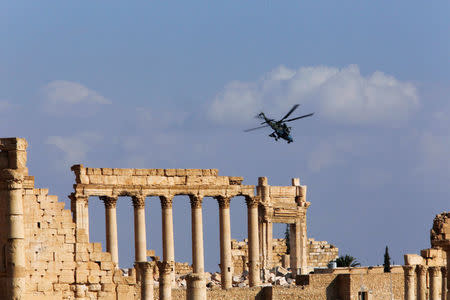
<point>280,129</point>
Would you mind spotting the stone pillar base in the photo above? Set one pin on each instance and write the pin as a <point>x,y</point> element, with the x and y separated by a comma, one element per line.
<point>196,286</point>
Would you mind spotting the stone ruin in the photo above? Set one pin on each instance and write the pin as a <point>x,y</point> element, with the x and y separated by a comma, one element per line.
<point>427,274</point>
<point>45,251</point>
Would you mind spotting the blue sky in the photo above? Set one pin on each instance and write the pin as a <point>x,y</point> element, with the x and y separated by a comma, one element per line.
<point>172,85</point>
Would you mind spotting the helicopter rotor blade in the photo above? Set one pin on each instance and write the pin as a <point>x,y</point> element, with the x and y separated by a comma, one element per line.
<point>251,129</point>
<point>290,112</point>
<point>293,119</point>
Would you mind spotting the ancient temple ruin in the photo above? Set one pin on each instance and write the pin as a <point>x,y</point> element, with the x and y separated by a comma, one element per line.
<point>45,252</point>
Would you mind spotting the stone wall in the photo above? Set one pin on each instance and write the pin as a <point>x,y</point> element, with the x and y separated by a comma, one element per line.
<point>320,253</point>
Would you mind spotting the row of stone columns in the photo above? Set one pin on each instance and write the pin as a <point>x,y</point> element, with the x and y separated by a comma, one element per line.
<point>416,282</point>
<point>196,281</point>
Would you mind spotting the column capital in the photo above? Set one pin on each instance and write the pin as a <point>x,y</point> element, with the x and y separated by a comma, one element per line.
<point>78,198</point>
<point>165,267</point>
<point>434,271</point>
<point>409,270</point>
<point>166,201</point>
<point>422,270</point>
<point>196,201</point>
<point>110,202</point>
<point>224,202</point>
<point>138,201</point>
<point>252,201</point>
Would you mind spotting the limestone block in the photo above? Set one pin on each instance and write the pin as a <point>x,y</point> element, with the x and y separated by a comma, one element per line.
<point>93,266</point>
<point>44,286</point>
<point>193,180</point>
<point>97,247</point>
<point>81,276</point>
<point>81,257</point>
<point>156,180</point>
<point>110,180</point>
<point>67,257</point>
<point>139,180</point>
<point>68,265</point>
<point>108,279</point>
<point>105,256</point>
<point>96,179</point>
<point>170,172</point>
<point>95,256</point>
<point>93,279</point>
<point>108,287</point>
<point>58,287</point>
<point>180,180</point>
<point>107,171</point>
<point>95,287</point>
<point>194,172</point>
<point>159,172</point>
<point>66,276</point>
<point>142,172</point>
<point>82,238</point>
<point>93,171</point>
<point>83,179</point>
<point>181,172</point>
<point>69,238</point>
<point>106,265</point>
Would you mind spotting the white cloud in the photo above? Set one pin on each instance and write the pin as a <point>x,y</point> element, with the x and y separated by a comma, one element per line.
<point>62,96</point>
<point>342,95</point>
<point>74,148</point>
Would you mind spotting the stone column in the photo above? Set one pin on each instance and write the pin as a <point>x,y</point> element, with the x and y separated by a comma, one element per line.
<point>444,282</point>
<point>168,248</point>
<point>410,287</point>
<point>226,265</point>
<point>435,283</point>
<point>80,209</point>
<point>111,228</point>
<point>165,280</point>
<point>253,249</point>
<point>196,288</point>
<point>197,234</point>
<point>146,270</point>
<point>140,240</point>
<point>294,253</point>
<point>15,253</point>
<point>421,282</point>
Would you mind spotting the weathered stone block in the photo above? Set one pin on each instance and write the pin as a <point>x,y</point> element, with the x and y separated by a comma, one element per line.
<point>66,276</point>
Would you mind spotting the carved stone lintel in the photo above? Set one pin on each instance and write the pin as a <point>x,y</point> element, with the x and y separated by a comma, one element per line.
<point>166,201</point>
<point>138,201</point>
<point>224,202</point>
<point>110,202</point>
<point>196,201</point>
<point>251,201</point>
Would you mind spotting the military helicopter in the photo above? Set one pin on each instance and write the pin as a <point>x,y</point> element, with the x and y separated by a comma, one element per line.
<point>281,130</point>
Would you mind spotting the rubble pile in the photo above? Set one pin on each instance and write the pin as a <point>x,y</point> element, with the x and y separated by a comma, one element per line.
<point>275,276</point>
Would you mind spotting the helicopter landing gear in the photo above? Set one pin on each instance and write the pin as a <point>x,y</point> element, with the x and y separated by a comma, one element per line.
<point>273,134</point>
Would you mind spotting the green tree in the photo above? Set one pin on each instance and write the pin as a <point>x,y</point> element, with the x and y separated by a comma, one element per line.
<point>287,240</point>
<point>347,261</point>
<point>387,261</point>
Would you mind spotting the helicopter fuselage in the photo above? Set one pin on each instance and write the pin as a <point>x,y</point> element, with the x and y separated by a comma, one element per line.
<point>280,130</point>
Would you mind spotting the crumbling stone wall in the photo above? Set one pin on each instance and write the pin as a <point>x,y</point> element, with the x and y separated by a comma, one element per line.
<point>320,253</point>
<point>58,260</point>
